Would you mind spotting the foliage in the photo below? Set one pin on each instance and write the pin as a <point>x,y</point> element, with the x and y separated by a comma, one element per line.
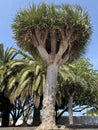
<point>92,112</point>
<point>85,69</point>
<point>58,18</point>
<point>5,57</point>
<point>79,80</point>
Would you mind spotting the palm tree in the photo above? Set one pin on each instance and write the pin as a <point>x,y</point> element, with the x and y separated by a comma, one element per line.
<point>27,78</point>
<point>5,57</point>
<point>14,86</point>
<point>57,34</point>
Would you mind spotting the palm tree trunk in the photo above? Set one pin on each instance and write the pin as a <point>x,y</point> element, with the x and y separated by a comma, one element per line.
<point>36,117</point>
<point>6,106</point>
<point>48,118</point>
<point>70,110</point>
<point>5,118</point>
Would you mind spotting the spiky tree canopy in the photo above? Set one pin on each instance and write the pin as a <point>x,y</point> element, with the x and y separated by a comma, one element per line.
<point>58,29</point>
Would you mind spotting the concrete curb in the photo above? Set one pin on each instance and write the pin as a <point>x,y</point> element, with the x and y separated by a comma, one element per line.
<point>33,128</point>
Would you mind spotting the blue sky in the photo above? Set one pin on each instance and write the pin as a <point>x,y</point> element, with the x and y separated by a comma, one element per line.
<point>8,9</point>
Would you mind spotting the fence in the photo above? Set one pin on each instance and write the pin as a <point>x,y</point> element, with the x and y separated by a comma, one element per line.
<point>84,120</point>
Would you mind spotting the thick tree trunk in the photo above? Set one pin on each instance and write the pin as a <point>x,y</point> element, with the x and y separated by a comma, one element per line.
<point>49,95</point>
<point>70,110</point>
<point>36,117</point>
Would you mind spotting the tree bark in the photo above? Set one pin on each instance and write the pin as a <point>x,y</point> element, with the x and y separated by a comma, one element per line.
<point>70,110</point>
<point>49,95</point>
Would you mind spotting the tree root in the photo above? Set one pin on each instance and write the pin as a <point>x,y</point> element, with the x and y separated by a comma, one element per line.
<point>50,127</point>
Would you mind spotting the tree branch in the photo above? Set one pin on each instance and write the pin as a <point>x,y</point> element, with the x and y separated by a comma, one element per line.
<point>62,49</point>
<point>41,36</point>
<point>68,37</point>
<point>43,53</point>
<point>65,109</point>
<point>81,109</point>
<point>53,42</point>
<point>30,37</point>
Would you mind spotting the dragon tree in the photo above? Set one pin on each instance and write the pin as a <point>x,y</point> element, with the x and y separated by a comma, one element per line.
<point>56,34</point>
